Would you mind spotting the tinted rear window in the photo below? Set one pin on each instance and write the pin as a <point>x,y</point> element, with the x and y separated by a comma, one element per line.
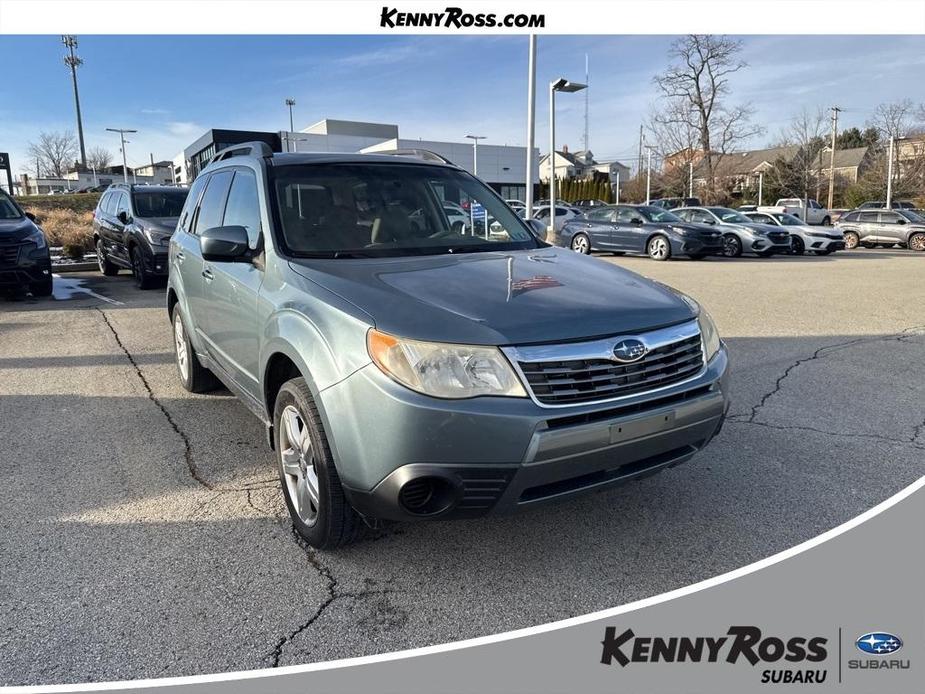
<point>159,203</point>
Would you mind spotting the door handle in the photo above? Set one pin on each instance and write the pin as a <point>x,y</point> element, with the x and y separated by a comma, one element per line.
<point>179,256</point>
<point>207,273</point>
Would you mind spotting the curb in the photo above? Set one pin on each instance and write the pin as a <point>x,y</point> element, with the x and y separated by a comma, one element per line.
<point>73,267</point>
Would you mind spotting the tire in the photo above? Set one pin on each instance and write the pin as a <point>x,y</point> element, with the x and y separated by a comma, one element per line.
<point>732,246</point>
<point>659,247</point>
<point>143,279</point>
<point>43,288</point>
<point>194,377</point>
<point>696,256</point>
<point>852,240</point>
<point>320,512</point>
<point>105,265</point>
<point>797,247</point>
<point>580,243</point>
<point>917,242</point>
<point>826,221</point>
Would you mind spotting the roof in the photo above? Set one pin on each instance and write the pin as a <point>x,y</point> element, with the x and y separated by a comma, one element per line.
<point>738,163</point>
<point>846,158</point>
<point>568,156</point>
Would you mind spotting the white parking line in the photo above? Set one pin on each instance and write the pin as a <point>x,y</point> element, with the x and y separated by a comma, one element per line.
<point>65,289</point>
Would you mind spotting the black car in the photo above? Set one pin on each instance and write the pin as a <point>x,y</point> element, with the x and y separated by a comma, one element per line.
<point>640,229</point>
<point>25,263</point>
<point>132,226</point>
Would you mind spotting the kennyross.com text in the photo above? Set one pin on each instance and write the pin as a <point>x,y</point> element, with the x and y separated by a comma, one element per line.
<point>457,18</point>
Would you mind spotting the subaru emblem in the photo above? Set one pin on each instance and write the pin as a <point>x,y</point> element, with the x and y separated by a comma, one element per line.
<point>879,643</point>
<point>629,350</point>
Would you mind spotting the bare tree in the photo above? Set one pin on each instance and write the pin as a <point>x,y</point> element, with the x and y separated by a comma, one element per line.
<point>696,87</point>
<point>99,158</point>
<point>893,120</point>
<point>807,132</point>
<point>54,152</point>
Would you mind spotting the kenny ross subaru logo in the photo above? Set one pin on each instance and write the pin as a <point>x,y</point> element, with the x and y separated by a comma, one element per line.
<point>879,643</point>
<point>629,350</point>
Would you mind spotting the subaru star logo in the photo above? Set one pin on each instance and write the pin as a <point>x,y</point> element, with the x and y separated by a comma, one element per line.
<point>879,643</point>
<point>629,350</point>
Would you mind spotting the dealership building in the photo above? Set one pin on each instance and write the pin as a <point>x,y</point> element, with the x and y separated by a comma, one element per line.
<point>500,166</point>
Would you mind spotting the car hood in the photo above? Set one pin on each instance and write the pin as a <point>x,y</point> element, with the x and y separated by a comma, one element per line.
<point>500,298</point>
<point>15,229</point>
<point>707,229</point>
<point>165,225</point>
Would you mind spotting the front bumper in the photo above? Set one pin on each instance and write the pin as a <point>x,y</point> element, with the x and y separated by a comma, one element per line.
<point>686,245</point>
<point>766,245</point>
<point>502,454</point>
<point>24,266</point>
<point>155,261</point>
<point>814,243</point>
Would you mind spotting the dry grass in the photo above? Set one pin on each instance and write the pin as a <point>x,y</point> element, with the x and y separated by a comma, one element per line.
<point>73,231</point>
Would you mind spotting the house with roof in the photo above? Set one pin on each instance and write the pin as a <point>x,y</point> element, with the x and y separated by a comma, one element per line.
<point>849,163</point>
<point>582,164</point>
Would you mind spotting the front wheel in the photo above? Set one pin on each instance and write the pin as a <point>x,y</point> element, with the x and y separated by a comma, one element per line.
<point>143,278</point>
<point>732,247</point>
<point>659,248</point>
<point>581,244</point>
<point>917,242</point>
<point>105,264</point>
<point>797,247</point>
<point>852,240</point>
<point>194,377</point>
<point>827,221</point>
<point>312,490</point>
<point>43,288</point>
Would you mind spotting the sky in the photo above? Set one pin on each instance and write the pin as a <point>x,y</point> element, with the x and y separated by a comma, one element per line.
<point>173,88</point>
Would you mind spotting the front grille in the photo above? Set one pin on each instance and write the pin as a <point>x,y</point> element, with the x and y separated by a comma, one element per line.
<point>589,380</point>
<point>779,236</point>
<point>9,255</point>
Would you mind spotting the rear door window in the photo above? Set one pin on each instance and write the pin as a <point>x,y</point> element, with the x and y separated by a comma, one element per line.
<point>212,207</point>
<point>868,217</point>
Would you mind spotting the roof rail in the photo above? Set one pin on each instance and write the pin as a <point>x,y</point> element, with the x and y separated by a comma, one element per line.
<point>254,149</point>
<point>424,154</point>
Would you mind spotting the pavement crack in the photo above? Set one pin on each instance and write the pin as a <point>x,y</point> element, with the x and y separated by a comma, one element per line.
<point>796,427</point>
<point>187,447</point>
<point>901,336</point>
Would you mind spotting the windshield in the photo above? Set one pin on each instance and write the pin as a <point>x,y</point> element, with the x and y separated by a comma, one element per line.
<point>8,209</point>
<point>159,203</point>
<point>911,216</point>
<point>373,210</point>
<point>657,214</point>
<point>788,220</point>
<point>729,216</point>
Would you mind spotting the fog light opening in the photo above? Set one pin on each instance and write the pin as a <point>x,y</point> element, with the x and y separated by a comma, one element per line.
<point>427,496</point>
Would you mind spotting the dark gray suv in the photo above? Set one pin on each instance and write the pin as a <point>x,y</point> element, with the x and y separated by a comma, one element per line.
<point>409,369</point>
<point>132,225</point>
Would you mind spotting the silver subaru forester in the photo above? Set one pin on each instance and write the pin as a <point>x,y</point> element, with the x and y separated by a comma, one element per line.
<point>409,368</point>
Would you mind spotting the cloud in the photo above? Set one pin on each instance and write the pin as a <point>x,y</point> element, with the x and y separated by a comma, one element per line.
<point>155,111</point>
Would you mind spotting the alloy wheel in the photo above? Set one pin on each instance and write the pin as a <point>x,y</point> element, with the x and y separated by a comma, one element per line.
<point>658,248</point>
<point>299,465</point>
<point>851,240</point>
<point>180,342</point>
<point>100,256</point>
<point>580,244</point>
<point>917,242</point>
<point>731,247</point>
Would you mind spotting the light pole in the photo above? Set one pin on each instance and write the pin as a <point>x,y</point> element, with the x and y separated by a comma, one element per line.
<point>290,103</point>
<point>760,186</point>
<point>73,62</point>
<point>649,173</point>
<point>690,178</point>
<point>475,152</point>
<point>122,132</point>
<point>617,195</point>
<point>531,122</point>
<point>559,85</point>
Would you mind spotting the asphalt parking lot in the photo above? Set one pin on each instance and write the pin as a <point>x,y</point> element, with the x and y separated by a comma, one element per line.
<point>143,533</point>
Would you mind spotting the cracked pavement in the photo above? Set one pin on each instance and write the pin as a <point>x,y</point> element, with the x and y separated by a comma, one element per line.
<point>143,533</point>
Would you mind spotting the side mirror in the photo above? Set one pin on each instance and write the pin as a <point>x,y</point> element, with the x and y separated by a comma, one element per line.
<point>900,221</point>
<point>224,244</point>
<point>123,217</point>
<point>636,220</point>
<point>709,220</point>
<point>30,216</point>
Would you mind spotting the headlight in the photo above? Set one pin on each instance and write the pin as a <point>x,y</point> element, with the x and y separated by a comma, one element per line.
<point>708,334</point>
<point>682,230</point>
<point>38,238</point>
<point>444,370</point>
<point>819,234</point>
<point>157,238</point>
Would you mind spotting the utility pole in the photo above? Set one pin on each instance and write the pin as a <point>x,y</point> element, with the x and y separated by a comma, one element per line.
<point>649,174</point>
<point>531,121</point>
<point>760,186</point>
<point>639,158</point>
<point>290,103</point>
<point>690,178</point>
<point>122,132</point>
<point>73,62</point>
<point>835,111</point>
